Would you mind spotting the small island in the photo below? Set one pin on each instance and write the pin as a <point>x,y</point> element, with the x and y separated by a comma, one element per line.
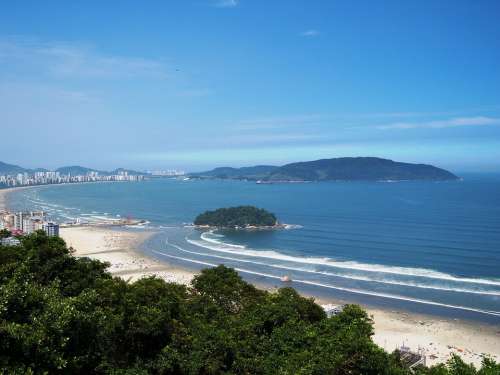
<point>241,217</point>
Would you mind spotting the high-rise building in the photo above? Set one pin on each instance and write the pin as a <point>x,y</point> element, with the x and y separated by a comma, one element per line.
<point>18,220</point>
<point>8,220</point>
<point>28,225</point>
<point>51,229</point>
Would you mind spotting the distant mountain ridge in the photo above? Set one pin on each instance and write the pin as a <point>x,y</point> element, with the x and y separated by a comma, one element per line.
<point>74,170</point>
<point>346,169</point>
<point>10,169</point>
<point>257,172</point>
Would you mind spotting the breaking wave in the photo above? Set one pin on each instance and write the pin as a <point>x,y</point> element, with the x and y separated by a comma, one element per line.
<point>350,290</point>
<point>207,242</point>
<point>346,276</point>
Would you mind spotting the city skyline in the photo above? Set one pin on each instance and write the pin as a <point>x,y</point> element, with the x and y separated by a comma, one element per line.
<point>206,83</point>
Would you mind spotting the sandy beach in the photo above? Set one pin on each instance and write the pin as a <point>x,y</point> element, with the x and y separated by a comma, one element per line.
<point>119,249</point>
<point>439,337</point>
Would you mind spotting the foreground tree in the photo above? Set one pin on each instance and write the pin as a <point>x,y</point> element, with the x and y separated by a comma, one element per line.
<point>4,233</point>
<point>63,315</point>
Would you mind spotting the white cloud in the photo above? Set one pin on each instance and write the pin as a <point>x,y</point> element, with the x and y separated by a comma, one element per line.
<point>226,3</point>
<point>450,123</point>
<point>68,60</point>
<point>310,33</point>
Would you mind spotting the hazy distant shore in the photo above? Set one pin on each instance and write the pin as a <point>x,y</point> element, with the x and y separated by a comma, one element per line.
<point>440,337</point>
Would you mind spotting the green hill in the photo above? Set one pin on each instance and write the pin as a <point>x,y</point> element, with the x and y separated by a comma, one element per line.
<point>361,168</point>
<point>7,169</point>
<point>346,169</point>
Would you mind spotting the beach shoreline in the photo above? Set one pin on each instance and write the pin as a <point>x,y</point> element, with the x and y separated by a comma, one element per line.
<point>120,248</point>
<point>440,337</point>
<point>6,191</point>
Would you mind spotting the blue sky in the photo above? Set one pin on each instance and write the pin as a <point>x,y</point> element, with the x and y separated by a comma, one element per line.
<point>204,83</point>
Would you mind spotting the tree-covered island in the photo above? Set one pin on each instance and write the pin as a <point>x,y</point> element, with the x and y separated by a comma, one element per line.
<point>237,217</point>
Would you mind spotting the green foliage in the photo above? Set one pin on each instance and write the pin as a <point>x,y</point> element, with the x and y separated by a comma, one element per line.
<point>223,287</point>
<point>62,315</point>
<point>456,366</point>
<point>232,217</point>
<point>4,233</point>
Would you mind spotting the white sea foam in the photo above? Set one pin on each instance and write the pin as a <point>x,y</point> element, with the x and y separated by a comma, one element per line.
<point>205,237</point>
<point>348,276</point>
<point>292,226</point>
<point>356,291</point>
<point>105,218</point>
<point>329,262</point>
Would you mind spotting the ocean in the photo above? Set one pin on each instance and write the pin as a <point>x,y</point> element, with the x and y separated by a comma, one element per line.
<point>426,247</point>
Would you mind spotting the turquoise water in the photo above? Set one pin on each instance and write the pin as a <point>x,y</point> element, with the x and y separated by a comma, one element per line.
<point>421,246</point>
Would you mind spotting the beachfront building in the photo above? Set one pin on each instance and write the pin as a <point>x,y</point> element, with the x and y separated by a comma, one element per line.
<point>51,229</point>
<point>28,225</point>
<point>7,220</point>
<point>25,222</point>
<point>54,177</point>
<point>9,241</point>
<point>18,220</point>
<point>31,225</point>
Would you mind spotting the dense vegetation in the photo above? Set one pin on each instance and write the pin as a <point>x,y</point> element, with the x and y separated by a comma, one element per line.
<point>245,173</point>
<point>233,217</point>
<point>4,233</point>
<point>63,315</point>
<point>360,168</point>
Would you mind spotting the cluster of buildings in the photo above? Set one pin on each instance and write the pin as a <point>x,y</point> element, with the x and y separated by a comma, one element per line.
<point>27,222</point>
<point>50,177</point>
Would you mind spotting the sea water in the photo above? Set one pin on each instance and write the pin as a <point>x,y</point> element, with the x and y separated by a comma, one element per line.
<point>431,247</point>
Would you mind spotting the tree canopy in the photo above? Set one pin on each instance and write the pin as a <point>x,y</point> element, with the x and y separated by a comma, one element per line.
<point>232,217</point>
<point>4,233</point>
<point>65,315</point>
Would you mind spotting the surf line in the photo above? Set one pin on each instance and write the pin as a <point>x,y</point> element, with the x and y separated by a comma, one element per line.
<point>327,262</point>
<point>355,291</point>
<point>349,277</point>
